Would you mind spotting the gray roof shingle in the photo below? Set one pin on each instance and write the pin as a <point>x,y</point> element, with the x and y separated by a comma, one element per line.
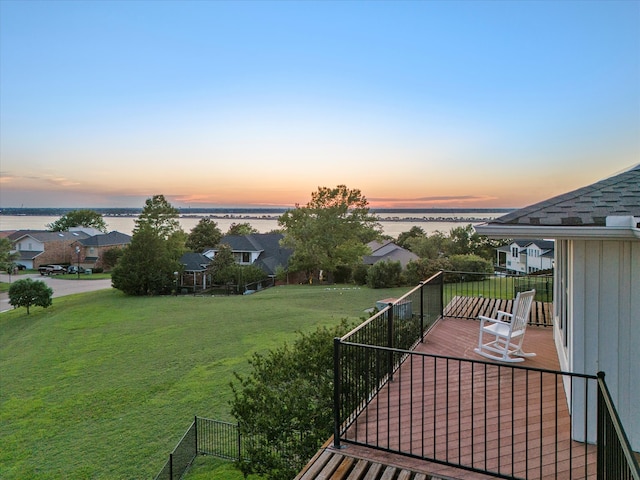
<point>586,206</point>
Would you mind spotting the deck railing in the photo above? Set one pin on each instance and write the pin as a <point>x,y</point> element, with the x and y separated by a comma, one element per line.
<point>451,410</point>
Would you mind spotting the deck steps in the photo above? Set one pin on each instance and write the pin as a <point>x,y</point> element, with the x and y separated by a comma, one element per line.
<point>331,464</point>
<point>472,307</point>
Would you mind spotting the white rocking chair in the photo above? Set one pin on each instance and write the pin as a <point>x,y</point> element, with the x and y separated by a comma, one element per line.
<point>507,335</point>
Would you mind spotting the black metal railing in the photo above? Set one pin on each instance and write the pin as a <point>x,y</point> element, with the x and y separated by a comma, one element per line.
<point>616,460</point>
<point>470,294</point>
<point>509,421</point>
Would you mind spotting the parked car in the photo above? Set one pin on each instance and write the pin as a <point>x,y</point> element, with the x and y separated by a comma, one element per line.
<point>21,266</point>
<point>52,270</point>
<point>75,269</point>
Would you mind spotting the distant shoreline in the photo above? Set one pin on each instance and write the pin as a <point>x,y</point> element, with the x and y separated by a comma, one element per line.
<point>247,212</point>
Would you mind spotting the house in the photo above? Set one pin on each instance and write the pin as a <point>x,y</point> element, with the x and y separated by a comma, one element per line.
<point>193,274</point>
<point>41,247</point>
<point>90,251</point>
<point>596,280</point>
<point>526,256</point>
<point>388,251</point>
<point>262,250</point>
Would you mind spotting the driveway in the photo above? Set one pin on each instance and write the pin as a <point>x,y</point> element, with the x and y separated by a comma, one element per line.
<point>57,283</point>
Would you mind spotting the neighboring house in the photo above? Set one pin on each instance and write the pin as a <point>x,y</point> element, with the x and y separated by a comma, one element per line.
<point>597,282</point>
<point>90,251</point>
<point>526,256</point>
<point>388,251</point>
<point>41,247</point>
<point>193,274</point>
<point>262,250</point>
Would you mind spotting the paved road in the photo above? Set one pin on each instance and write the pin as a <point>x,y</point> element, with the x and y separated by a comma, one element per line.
<point>59,285</point>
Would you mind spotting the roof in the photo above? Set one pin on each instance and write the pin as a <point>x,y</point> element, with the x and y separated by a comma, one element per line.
<point>271,253</point>
<point>107,239</point>
<point>194,262</point>
<point>618,195</point>
<point>609,208</point>
<point>388,251</point>
<point>45,236</point>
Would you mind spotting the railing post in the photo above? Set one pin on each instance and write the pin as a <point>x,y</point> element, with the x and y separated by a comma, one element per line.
<point>171,466</point>
<point>390,338</point>
<point>421,312</point>
<point>441,293</point>
<point>336,392</point>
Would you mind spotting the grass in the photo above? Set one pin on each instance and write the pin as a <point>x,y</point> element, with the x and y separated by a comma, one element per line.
<point>101,385</point>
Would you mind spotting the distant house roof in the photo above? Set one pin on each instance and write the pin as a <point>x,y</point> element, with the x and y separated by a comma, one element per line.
<point>582,212</point>
<point>107,239</point>
<point>271,254</point>
<point>194,262</point>
<point>46,236</point>
<point>388,251</point>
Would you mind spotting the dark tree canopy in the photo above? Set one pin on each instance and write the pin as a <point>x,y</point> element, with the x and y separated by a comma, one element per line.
<point>241,229</point>
<point>148,264</point>
<point>222,264</point>
<point>331,230</point>
<point>28,292</point>
<point>6,257</point>
<point>79,218</point>
<point>160,216</point>
<point>284,405</point>
<point>205,234</point>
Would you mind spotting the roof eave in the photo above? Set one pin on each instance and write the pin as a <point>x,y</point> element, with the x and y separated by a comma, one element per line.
<point>546,231</point>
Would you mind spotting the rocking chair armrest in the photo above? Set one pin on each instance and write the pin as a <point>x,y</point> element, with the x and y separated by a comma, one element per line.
<point>502,314</point>
<point>492,320</point>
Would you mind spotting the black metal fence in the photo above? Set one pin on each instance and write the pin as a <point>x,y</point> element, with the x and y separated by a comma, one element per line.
<point>205,437</point>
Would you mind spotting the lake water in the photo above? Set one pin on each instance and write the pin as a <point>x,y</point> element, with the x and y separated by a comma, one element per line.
<point>393,223</point>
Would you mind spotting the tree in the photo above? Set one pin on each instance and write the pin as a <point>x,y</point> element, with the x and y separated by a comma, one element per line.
<point>110,257</point>
<point>331,230</point>
<point>221,266</point>
<point>414,232</point>
<point>79,218</point>
<point>28,292</point>
<point>205,234</point>
<point>433,246</point>
<point>148,264</point>
<point>241,229</point>
<point>160,216</point>
<point>6,257</point>
<point>284,404</point>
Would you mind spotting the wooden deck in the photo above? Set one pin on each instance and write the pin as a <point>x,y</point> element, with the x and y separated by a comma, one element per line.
<point>472,307</point>
<point>451,428</point>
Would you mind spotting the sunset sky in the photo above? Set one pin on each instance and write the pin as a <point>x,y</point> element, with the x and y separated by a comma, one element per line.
<point>417,104</point>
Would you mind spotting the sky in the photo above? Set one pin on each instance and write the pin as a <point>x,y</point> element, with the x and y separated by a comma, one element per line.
<point>419,104</point>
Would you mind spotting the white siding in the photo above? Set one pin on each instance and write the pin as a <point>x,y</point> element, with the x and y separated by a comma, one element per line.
<point>605,321</point>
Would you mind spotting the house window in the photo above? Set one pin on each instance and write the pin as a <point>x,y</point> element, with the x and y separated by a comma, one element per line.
<point>246,257</point>
<point>514,251</point>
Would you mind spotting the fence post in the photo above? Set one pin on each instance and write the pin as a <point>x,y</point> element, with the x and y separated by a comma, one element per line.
<point>441,294</point>
<point>239,442</point>
<point>171,466</point>
<point>195,424</point>
<point>336,392</point>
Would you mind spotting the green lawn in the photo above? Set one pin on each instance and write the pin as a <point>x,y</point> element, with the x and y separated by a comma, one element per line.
<point>101,385</point>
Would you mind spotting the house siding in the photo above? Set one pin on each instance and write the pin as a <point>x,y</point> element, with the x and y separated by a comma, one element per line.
<point>605,330</point>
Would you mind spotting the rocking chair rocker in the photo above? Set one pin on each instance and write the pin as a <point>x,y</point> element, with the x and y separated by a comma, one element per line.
<point>507,335</point>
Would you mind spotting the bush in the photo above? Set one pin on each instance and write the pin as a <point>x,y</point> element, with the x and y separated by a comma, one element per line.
<point>385,274</point>
<point>342,274</point>
<point>360,274</point>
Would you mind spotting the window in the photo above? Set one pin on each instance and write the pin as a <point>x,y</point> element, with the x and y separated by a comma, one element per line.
<point>246,257</point>
<point>514,251</point>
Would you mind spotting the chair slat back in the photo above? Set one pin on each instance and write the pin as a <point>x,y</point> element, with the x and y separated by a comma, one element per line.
<point>521,309</point>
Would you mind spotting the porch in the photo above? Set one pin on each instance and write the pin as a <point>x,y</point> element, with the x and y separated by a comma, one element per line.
<point>427,406</point>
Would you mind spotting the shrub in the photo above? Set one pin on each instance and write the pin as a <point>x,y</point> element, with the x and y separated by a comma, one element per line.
<point>27,292</point>
<point>385,274</point>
